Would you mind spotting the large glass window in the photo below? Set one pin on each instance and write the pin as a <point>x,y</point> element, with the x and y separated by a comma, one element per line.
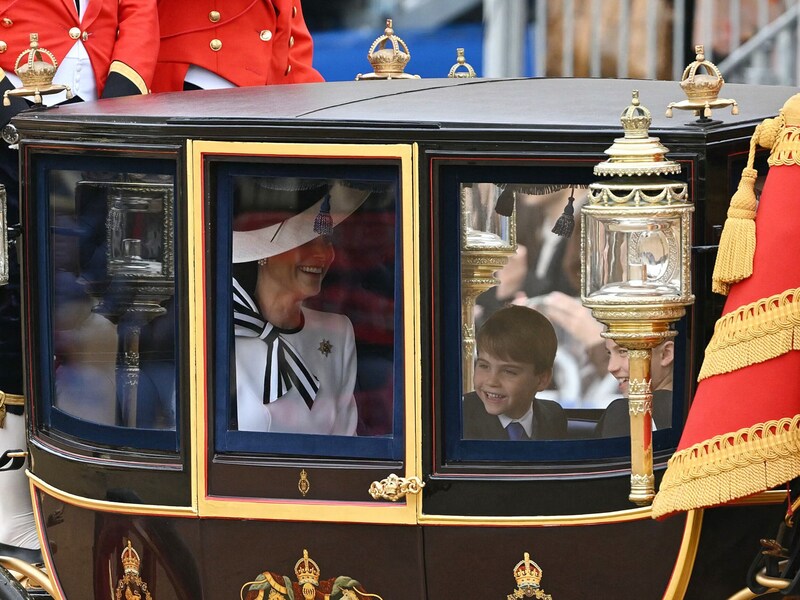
<point>309,297</point>
<point>534,365</point>
<point>109,288</point>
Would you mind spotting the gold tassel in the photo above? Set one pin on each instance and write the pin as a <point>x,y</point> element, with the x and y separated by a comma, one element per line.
<point>737,246</point>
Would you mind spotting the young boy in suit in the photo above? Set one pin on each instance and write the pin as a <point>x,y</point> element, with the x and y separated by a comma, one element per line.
<point>516,349</point>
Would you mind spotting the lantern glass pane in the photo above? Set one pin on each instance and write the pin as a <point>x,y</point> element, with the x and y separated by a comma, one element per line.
<point>485,213</point>
<point>634,256</point>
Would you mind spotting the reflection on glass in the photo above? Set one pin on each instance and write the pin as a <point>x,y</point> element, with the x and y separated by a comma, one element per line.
<point>113,287</point>
<point>543,273</point>
<point>313,296</point>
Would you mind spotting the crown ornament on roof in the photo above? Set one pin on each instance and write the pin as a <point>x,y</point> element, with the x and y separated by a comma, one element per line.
<point>466,71</point>
<point>36,68</point>
<point>702,83</point>
<point>528,576</point>
<point>388,56</point>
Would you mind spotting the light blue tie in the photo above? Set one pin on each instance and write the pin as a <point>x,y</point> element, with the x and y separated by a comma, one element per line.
<point>516,431</point>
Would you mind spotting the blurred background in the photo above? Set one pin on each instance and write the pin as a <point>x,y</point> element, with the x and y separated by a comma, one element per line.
<point>751,41</point>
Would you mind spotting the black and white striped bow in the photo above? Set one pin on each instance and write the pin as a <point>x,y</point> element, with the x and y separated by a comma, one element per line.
<point>285,368</point>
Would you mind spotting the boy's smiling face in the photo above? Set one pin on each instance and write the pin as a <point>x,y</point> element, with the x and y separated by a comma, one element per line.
<point>505,386</point>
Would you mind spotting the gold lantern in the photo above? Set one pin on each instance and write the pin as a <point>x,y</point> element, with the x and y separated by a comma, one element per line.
<point>635,272</point>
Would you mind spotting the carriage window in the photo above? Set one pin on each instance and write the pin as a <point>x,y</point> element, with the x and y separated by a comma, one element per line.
<point>112,280</point>
<point>313,311</point>
<point>534,365</point>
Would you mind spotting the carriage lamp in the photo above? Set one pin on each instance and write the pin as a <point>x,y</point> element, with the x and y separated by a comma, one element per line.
<point>388,56</point>
<point>635,275</point>
<point>139,272</point>
<point>488,238</point>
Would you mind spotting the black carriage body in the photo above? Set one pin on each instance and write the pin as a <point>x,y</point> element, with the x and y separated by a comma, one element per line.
<point>210,506</point>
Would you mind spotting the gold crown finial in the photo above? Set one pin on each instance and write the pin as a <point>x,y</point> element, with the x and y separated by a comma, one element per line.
<point>130,560</point>
<point>636,118</point>
<point>388,56</point>
<point>637,153</point>
<point>461,63</point>
<point>702,83</point>
<point>35,68</point>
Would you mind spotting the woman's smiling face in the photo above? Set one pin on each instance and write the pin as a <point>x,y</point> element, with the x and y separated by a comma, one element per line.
<point>301,270</point>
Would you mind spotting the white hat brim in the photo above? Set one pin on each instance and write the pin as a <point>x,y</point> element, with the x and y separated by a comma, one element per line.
<point>296,230</point>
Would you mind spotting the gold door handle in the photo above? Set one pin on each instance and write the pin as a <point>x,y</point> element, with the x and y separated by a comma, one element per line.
<point>394,488</point>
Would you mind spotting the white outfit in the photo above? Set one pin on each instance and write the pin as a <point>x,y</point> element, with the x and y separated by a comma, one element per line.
<point>326,344</point>
<point>16,515</point>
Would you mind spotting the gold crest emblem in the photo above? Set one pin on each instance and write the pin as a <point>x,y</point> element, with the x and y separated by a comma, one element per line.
<point>130,586</point>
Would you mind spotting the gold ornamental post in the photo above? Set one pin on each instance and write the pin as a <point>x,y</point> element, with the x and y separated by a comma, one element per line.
<point>635,271</point>
<point>488,238</point>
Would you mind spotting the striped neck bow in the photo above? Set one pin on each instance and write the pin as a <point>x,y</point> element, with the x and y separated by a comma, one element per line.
<point>284,368</point>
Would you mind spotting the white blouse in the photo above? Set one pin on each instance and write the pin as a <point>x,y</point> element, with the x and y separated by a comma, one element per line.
<point>327,346</point>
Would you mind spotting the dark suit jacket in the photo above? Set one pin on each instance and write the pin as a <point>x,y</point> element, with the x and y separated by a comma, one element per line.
<point>549,421</point>
<point>615,421</point>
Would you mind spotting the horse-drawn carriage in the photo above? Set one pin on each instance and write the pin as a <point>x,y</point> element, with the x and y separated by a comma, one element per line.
<point>151,478</point>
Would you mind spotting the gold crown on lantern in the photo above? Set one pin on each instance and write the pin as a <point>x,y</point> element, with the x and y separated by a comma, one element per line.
<point>637,153</point>
<point>130,560</point>
<point>636,118</point>
<point>388,56</point>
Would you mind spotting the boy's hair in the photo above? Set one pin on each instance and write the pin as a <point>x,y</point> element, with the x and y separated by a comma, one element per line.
<point>519,334</point>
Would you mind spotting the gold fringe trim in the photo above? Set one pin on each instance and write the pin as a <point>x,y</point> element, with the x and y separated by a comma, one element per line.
<point>730,466</point>
<point>754,333</point>
<point>786,151</point>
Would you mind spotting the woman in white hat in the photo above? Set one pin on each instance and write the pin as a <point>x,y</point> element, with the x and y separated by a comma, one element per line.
<point>295,367</point>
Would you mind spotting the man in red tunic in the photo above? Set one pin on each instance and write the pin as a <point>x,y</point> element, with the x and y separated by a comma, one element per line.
<point>211,44</point>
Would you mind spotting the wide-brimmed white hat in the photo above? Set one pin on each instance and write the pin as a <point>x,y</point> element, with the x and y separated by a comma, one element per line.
<point>281,236</point>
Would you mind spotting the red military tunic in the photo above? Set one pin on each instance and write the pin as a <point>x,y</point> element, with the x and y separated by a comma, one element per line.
<point>247,42</point>
<point>119,35</point>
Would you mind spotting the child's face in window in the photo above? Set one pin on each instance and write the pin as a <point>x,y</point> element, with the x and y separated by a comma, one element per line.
<point>506,387</point>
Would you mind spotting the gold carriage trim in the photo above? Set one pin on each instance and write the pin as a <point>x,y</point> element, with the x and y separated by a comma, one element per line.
<point>730,466</point>
<point>754,333</point>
